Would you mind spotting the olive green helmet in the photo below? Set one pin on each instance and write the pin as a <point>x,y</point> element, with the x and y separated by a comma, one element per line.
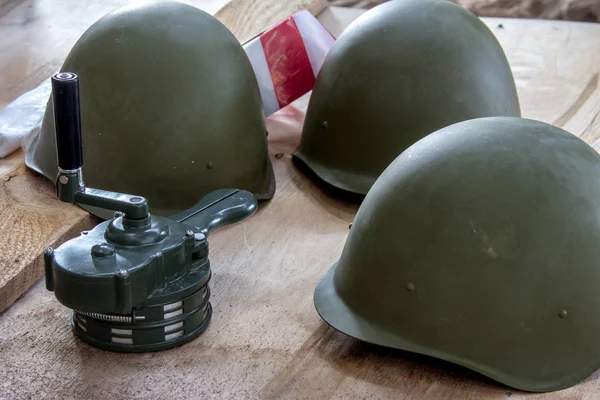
<point>401,71</point>
<point>170,109</point>
<point>479,245</point>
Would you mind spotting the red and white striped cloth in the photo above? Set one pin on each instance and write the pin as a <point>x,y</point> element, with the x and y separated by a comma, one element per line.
<point>287,58</point>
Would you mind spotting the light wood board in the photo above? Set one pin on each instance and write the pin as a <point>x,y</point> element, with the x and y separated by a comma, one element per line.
<point>36,38</point>
<point>266,339</point>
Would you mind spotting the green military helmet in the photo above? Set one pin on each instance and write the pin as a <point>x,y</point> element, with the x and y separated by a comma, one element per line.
<point>401,71</point>
<point>170,109</point>
<point>479,245</point>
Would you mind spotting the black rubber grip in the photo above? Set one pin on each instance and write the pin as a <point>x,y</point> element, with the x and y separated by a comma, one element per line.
<point>67,121</point>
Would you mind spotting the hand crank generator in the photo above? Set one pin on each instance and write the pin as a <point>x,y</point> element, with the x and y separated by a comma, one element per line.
<point>136,282</point>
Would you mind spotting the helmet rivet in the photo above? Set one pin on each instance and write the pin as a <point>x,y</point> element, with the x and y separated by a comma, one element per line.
<point>325,125</point>
<point>410,287</point>
<point>562,314</point>
<point>209,165</point>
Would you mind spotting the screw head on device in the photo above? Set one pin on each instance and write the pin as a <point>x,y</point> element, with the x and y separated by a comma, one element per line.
<point>103,250</point>
<point>200,236</point>
<point>189,233</point>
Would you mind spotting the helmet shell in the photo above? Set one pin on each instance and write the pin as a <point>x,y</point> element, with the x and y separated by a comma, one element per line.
<point>479,245</point>
<point>170,109</point>
<point>401,71</point>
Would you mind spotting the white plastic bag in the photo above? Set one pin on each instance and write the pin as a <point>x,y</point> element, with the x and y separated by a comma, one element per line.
<point>20,121</point>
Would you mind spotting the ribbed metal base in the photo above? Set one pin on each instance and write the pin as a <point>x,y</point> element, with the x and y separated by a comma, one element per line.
<point>153,328</point>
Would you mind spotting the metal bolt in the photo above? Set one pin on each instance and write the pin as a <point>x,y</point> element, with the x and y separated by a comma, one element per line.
<point>209,165</point>
<point>64,179</point>
<point>123,273</point>
<point>135,199</point>
<point>189,234</point>
<point>562,314</point>
<point>199,237</point>
<point>119,214</point>
<point>103,250</point>
<point>325,124</point>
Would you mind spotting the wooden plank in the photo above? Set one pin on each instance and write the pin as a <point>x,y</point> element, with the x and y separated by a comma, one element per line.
<point>31,217</point>
<point>31,220</point>
<point>265,339</point>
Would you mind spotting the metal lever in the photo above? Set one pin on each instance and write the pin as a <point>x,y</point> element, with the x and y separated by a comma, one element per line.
<point>70,186</point>
<point>218,209</point>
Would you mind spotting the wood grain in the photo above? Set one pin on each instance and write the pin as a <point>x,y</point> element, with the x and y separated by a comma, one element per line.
<point>30,221</point>
<point>236,14</point>
<point>266,340</point>
<point>37,38</point>
<point>572,10</point>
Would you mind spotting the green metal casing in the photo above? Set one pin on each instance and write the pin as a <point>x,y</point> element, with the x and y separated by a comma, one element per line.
<point>139,285</point>
<point>131,272</point>
<point>479,245</point>
<point>170,109</point>
<point>401,71</point>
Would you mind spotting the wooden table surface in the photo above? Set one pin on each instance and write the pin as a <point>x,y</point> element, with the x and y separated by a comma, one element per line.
<point>266,339</point>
